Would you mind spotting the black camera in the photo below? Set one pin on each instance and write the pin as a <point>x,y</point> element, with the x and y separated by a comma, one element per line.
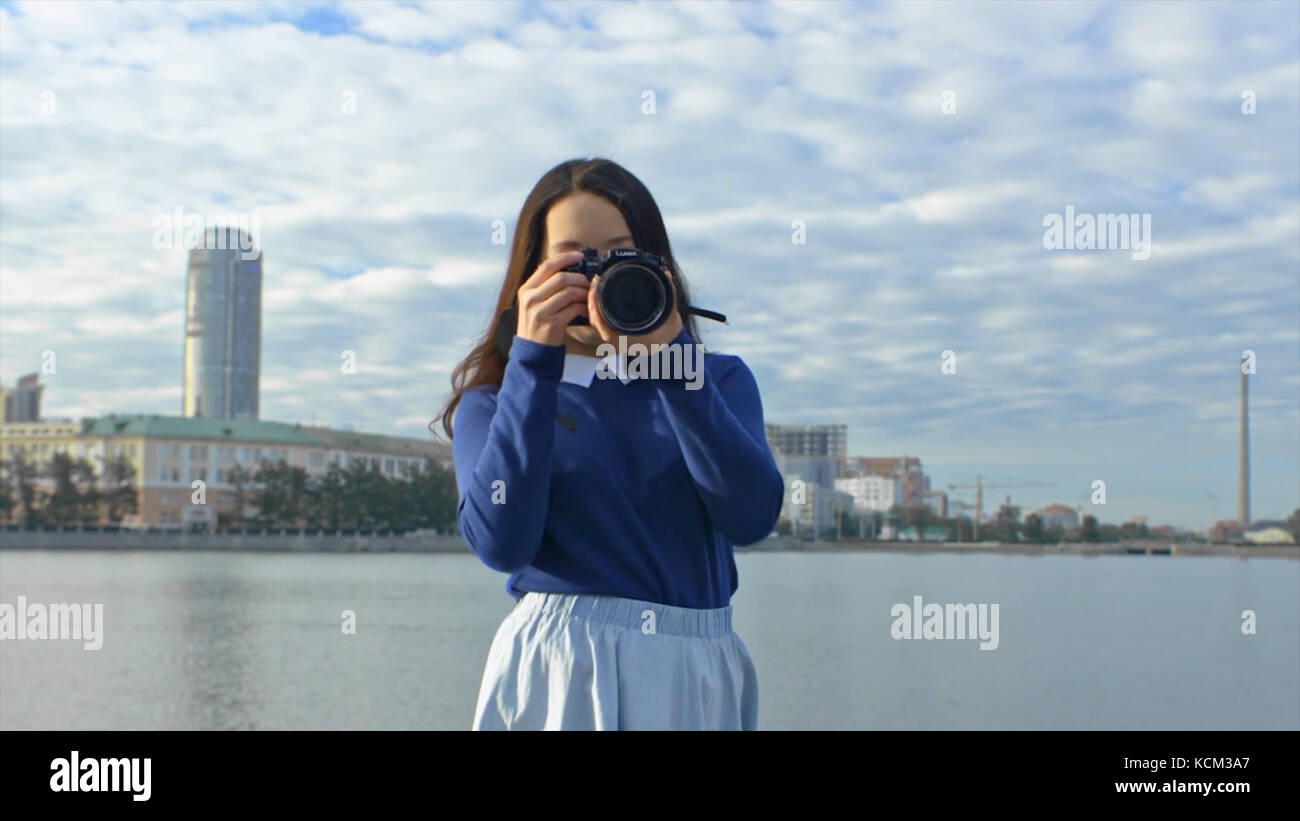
<point>635,295</point>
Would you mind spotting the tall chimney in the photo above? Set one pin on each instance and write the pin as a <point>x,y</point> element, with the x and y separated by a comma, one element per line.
<point>1243,459</point>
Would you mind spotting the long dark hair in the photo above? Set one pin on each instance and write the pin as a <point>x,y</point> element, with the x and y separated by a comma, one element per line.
<point>599,176</point>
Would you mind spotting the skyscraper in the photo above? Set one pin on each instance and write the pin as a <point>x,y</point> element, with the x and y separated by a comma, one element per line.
<point>223,327</point>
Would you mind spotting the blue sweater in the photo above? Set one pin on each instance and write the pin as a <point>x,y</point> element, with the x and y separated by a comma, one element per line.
<point>637,489</point>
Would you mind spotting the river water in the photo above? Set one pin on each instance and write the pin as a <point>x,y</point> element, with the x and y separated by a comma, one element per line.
<point>215,640</point>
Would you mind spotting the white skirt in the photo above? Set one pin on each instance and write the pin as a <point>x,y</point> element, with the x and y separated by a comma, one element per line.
<point>564,661</point>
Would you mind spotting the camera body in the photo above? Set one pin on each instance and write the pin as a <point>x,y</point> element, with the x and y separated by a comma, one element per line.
<point>635,294</point>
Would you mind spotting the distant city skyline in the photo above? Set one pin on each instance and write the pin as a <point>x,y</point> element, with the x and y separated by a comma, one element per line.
<point>861,188</point>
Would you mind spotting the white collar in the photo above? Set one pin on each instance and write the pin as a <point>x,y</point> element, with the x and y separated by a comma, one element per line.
<point>581,369</point>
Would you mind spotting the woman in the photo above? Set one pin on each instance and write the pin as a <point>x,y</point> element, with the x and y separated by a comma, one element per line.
<point>613,503</point>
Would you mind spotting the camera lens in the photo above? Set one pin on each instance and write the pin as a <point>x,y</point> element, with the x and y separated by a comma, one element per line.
<point>633,299</point>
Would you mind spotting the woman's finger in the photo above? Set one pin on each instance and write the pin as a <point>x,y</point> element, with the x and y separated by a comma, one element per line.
<point>551,286</point>
<point>549,271</point>
<point>565,315</point>
<point>548,308</point>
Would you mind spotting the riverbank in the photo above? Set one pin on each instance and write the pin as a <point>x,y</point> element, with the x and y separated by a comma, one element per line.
<point>267,540</point>
<point>71,538</point>
<point>1141,548</point>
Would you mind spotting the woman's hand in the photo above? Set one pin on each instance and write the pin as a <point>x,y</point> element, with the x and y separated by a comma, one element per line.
<point>665,333</point>
<point>550,299</point>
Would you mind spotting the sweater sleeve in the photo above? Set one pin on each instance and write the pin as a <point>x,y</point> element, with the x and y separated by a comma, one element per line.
<point>722,436</point>
<point>502,453</point>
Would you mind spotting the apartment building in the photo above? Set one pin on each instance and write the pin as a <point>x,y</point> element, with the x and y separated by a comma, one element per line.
<point>170,453</point>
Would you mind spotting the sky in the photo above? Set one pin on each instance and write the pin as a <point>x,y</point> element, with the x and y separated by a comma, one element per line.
<point>860,188</point>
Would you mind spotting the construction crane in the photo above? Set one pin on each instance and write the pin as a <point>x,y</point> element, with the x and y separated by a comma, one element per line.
<point>979,486</point>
